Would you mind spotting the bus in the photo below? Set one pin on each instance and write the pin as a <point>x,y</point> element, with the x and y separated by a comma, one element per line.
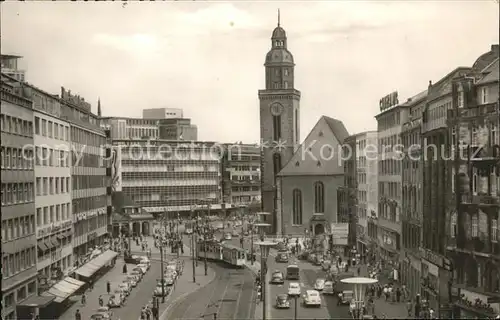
<point>292,272</point>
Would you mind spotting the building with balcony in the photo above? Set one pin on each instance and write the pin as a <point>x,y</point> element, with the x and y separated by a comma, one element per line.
<point>411,213</point>
<point>474,209</point>
<point>148,128</point>
<point>241,175</point>
<point>10,67</point>
<point>390,122</point>
<point>19,274</point>
<point>307,185</point>
<point>168,177</point>
<point>90,197</point>
<point>367,184</point>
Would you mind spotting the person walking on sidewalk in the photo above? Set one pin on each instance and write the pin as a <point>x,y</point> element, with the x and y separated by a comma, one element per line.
<point>108,287</point>
<point>409,307</point>
<point>84,299</point>
<point>101,301</point>
<point>78,315</point>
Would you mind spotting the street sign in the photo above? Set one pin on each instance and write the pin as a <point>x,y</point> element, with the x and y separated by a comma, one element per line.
<point>340,233</point>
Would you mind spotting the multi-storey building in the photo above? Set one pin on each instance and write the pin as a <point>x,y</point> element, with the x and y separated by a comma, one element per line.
<point>411,213</point>
<point>147,128</point>
<point>389,126</point>
<point>162,113</point>
<point>279,120</point>
<point>90,198</point>
<point>241,174</point>
<point>366,178</point>
<point>348,193</point>
<point>53,192</point>
<point>19,275</point>
<point>472,222</point>
<point>168,177</point>
<point>10,67</point>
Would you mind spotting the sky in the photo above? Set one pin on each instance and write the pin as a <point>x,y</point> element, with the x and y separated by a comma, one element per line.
<point>207,57</point>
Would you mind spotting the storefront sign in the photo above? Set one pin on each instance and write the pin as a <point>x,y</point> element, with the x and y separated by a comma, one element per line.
<point>54,227</point>
<point>435,259</point>
<point>91,236</point>
<point>389,101</point>
<point>89,214</point>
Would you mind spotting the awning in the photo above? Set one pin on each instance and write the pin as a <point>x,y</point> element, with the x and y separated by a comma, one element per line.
<point>63,289</point>
<point>42,246</point>
<point>61,235</point>
<point>36,301</point>
<point>54,241</point>
<point>95,264</point>
<point>48,244</point>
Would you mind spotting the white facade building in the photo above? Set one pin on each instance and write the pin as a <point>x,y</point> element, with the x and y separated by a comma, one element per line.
<point>52,194</point>
<point>162,113</point>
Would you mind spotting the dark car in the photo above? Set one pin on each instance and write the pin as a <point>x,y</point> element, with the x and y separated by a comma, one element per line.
<point>282,257</point>
<point>277,278</point>
<point>282,301</point>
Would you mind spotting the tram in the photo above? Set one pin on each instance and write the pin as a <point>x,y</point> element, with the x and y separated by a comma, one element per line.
<point>217,251</point>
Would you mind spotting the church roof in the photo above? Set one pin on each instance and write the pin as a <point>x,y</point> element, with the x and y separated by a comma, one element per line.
<point>319,153</point>
<point>278,33</point>
<point>279,56</point>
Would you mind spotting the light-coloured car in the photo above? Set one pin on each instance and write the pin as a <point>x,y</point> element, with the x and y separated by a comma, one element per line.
<point>167,280</point>
<point>277,278</point>
<point>126,287</point>
<point>329,287</point>
<point>137,273</point>
<point>228,236</point>
<point>159,291</point>
<point>131,280</point>
<point>105,310</point>
<point>146,261</point>
<point>143,266</point>
<point>294,289</point>
<point>312,298</point>
<point>116,300</point>
<point>319,285</point>
<point>140,269</point>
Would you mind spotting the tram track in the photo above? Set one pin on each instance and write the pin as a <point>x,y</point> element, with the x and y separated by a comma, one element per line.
<point>229,297</point>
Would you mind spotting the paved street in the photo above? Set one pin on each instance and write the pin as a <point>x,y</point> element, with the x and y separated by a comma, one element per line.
<point>229,296</point>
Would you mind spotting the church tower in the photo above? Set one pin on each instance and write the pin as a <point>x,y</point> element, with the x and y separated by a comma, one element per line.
<point>279,120</point>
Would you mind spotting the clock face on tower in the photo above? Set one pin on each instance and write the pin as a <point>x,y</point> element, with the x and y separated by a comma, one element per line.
<point>276,109</point>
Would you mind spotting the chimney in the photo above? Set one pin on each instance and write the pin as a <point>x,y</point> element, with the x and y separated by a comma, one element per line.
<point>430,84</point>
<point>495,48</point>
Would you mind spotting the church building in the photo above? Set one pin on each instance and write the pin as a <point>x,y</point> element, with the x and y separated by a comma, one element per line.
<point>307,185</point>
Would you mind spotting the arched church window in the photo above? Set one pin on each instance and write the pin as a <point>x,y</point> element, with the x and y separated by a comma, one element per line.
<point>276,163</point>
<point>276,128</point>
<point>319,197</point>
<point>297,207</point>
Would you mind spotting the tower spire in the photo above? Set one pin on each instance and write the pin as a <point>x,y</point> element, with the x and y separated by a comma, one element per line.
<point>278,17</point>
<point>99,106</point>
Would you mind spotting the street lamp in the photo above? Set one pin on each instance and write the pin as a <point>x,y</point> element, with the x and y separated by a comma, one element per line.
<point>360,284</point>
<point>205,225</point>
<point>264,253</point>
<point>193,243</point>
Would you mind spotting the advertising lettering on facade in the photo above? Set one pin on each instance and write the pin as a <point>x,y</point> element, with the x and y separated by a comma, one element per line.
<point>54,227</point>
<point>389,101</point>
<point>340,233</point>
<point>116,169</point>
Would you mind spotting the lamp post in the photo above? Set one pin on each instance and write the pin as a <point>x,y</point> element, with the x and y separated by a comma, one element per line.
<point>360,284</point>
<point>264,253</point>
<point>205,225</point>
<point>193,245</point>
<point>295,311</point>
<point>162,275</point>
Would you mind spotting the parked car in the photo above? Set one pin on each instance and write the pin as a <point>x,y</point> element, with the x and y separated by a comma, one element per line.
<point>105,310</point>
<point>100,316</point>
<point>121,292</point>
<point>159,291</point>
<point>127,288</point>
<point>136,277</point>
<point>130,280</point>
<point>144,267</point>
<point>134,259</point>
<point>282,301</point>
<point>312,298</point>
<point>146,261</point>
<point>137,273</point>
<point>115,300</point>
<point>140,269</point>
<point>167,280</point>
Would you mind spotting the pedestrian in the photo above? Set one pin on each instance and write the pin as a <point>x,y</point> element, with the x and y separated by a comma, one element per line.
<point>124,268</point>
<point>101,301</point>
<point>84,299</point>
<point>359,271</point>
<point>91,285</point>
<point>409,307</point>
<point>78,316</point>
<point>386,293</point>
<point>108,287</point>
<point>398,295</point>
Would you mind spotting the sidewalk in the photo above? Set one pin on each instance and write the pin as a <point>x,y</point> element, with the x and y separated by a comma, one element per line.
<point>114,276</point>
<point>185,286</point>
<point>392,310</point>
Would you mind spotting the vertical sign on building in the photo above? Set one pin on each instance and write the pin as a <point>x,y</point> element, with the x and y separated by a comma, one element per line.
<point>116,168</point>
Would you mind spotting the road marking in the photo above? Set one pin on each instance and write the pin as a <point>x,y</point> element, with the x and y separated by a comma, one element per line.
<point>239,298</point>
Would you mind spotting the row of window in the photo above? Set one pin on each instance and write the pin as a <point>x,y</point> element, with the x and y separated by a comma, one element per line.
<point>15,125</point>
<point>18,262</point>
<point>16,158</point>
<point>389,212</point>
<point>244,189</point>
<point>48,246</point>
<point>9,300</point>
<point>89,182</point>
<point>389,120</point>
<point>51,214</point>
<point>52,185</point>
<point>90,203</point>
<point>297,202</point>
<point>85,226</point>
<point>83,159</point>
<point>51,157</point>
<point>18,227</point>
<point>254,177</point>
<point>389,167</point>
<point>390,189</point>
<point>17,193</point>
<point>87,137</point>
<point>51,129</point>
<point>476,227</point>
